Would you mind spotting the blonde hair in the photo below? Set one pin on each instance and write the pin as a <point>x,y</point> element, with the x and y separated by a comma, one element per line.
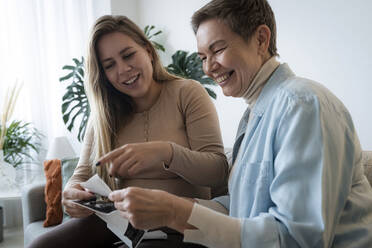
<point>109,107</point>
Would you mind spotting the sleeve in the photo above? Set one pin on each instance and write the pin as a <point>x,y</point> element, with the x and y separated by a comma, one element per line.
<point>224,201</point>
<point>214,205</point>
<point>214,229</point>
<point>310,181</point>
<point>204,163</point>
<point>83,170</point>
<point>205,234</point>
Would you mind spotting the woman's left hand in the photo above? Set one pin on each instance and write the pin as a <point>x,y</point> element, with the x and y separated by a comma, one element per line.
<point>150,209</point>
<point>133,159</point>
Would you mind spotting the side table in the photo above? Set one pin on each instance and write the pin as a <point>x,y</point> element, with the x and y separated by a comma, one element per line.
<point>11,203</point>
<point>11,210</point>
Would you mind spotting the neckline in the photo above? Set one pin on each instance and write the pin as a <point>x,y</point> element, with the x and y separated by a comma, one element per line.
<point>156,102</point>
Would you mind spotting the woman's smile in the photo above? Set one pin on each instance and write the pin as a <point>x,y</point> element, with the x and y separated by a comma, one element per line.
<point>223,79</point>
<point>131,81</point>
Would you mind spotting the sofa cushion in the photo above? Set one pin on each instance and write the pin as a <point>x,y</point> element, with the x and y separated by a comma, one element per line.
<point>53,192</point>
<point>367,162</point>
<point>34,230</point>
<point>68,167</point>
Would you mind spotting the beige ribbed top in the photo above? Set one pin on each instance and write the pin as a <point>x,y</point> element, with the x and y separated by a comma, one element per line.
<point>185,116</point>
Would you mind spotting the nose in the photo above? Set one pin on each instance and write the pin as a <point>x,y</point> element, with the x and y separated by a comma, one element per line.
<point>124,67</point>
<point>209,66</point>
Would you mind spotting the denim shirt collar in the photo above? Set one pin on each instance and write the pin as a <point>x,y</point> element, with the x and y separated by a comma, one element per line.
<point>279,76</point>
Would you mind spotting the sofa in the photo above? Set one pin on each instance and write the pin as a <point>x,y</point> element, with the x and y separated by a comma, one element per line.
<point>34,207</point>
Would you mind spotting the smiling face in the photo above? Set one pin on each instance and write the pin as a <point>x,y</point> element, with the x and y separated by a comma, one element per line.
<point>127,65</point>
<point>227,58</point>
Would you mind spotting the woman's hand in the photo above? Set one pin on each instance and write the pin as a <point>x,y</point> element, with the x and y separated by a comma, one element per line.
<point>150,209</point>
<point>76,193</point>
<point>134,159</point>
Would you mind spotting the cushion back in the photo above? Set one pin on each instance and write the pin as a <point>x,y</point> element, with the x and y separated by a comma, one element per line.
<point>367,162</point>
<point>68,167</point>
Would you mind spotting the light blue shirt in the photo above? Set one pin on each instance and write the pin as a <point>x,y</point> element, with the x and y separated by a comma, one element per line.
<point>298,180</point>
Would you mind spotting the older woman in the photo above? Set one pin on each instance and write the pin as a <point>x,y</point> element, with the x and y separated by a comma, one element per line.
<point>297,178</point>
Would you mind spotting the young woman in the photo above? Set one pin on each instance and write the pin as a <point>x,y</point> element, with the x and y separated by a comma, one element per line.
<point>156,131</point>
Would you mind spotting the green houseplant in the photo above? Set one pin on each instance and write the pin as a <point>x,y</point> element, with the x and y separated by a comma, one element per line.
<point>190,67</point>
<point>21,138</point>
<point>75,107</point>
<point>74,101</point>
<point>148,32</point>
<point>17,138</point>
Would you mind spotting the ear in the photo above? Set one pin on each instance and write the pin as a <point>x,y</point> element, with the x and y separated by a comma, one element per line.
<point>149,51</point>
<point>263,35</point>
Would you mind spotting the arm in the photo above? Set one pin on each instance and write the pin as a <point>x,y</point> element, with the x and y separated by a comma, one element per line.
<point>298,189</point>
<point>83,170</point>
<point>149,209</point>
<point>213,226</point>
<point>313,154</point>
<point>204,163</point>
<point>224,201</point>
<point>213,205</point>
<point>213,229</point>
<point>312,173</point>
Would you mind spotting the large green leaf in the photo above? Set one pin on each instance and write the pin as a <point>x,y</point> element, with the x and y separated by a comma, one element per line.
<point>75,99</point>
<point>148,32</point>
<point>190,67</point>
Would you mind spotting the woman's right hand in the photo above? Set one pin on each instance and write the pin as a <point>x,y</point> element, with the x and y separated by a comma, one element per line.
<point>76,192</point>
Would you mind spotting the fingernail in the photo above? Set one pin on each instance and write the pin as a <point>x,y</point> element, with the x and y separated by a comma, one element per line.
<point>98,163</point>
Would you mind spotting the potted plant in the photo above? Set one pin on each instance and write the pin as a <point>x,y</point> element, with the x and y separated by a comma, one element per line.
<point>21,139</point>
<point>17,139</point>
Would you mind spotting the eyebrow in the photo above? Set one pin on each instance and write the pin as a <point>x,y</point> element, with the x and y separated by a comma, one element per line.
<point>215,43</point>
<point>121,53</point>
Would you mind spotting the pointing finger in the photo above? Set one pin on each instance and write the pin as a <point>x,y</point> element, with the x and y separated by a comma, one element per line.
<point>110,156</point>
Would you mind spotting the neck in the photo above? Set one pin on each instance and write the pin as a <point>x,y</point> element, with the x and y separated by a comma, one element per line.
<point>146,102</point>
<point>258,82</point>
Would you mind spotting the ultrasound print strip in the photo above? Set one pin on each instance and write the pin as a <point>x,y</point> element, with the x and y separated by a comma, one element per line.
<point>135,235</point>
<point>101,206</point>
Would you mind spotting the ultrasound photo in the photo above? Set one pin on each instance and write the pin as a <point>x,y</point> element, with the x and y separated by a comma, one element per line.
<point>101,205</point>
<point>135,235</point>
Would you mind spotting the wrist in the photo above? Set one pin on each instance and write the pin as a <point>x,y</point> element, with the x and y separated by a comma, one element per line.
<point>167,152</point>
<point>179,214</point>
<point>172,216</point>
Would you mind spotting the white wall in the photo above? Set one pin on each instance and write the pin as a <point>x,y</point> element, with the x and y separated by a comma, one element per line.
<point>331,42</point>
<point>328,41</point>
<point>129,7</point>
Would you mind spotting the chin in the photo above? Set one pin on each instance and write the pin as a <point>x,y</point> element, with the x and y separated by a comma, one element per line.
<point>228,92</point>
